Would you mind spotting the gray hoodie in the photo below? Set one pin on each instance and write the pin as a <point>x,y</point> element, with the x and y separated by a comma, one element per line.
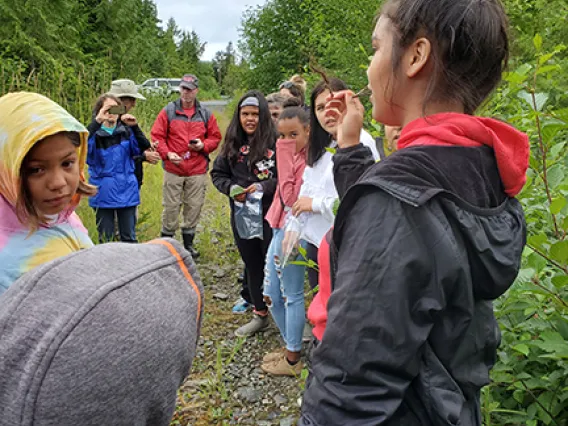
<point>104,336</point>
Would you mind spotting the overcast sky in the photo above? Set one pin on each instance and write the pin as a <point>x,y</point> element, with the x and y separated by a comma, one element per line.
<point>215,21</point>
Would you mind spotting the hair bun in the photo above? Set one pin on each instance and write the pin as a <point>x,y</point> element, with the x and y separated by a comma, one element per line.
<point>292,102</point>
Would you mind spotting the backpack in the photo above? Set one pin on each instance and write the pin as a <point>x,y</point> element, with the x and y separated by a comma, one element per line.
<point>204,114</point>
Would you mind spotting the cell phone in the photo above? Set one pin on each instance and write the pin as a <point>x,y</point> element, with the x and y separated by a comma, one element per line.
<point>117,109</point>
<point>193,142</point>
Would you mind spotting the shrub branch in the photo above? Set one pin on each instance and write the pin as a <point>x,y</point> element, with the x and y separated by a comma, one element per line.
<point>552,262</point>
<point>544,152</point>
<point>556,296</point>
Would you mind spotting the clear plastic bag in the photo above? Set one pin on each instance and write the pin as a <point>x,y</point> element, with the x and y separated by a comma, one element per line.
<point>292,233</point>
<point>248,217</point>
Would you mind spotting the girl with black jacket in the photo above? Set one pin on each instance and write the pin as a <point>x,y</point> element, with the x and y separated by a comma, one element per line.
<point>247,162</point>
<point>424,240</point>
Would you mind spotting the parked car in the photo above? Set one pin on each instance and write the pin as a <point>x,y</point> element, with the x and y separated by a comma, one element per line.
<point>163,86</point>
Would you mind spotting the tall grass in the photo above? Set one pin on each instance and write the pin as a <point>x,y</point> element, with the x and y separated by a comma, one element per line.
<point>73,89</point>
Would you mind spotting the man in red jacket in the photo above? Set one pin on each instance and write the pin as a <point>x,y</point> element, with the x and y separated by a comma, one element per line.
<point>186,133</point>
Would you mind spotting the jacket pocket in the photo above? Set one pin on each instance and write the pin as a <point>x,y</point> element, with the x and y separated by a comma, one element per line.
<point>438,391</point>
<point>411,412</point>
<point>487,338</point>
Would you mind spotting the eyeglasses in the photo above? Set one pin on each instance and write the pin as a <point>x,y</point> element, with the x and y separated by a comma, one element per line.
<point>287,85</point>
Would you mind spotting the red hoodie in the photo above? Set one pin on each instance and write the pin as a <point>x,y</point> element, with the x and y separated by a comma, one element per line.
<point>317,312</point>
<point>511,149</point>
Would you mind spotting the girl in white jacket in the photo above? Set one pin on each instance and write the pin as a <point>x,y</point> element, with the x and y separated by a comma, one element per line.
<point>318,194</point>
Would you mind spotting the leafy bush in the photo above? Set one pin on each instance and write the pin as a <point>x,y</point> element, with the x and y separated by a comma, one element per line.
<point>530,380</point>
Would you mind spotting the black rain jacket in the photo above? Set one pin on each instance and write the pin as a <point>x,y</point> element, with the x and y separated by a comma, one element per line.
<point>423,242</point>
<point>226,173</point>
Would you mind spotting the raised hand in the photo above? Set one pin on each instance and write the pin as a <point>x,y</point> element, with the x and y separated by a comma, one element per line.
<point>349,113</point>
<point>129,120</point>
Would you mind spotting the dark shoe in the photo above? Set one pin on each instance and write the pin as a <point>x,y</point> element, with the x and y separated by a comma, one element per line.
<point>194,253</point>
<point>164,235</point>
<point>188,244</point>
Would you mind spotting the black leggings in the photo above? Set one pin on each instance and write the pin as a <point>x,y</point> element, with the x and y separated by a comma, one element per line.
<point>312,254</point>
<point>245,293</point>
<point>253,252</point>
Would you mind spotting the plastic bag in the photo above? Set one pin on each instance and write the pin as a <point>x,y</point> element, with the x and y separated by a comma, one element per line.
<point>248,217</point>
<point>292,233</point>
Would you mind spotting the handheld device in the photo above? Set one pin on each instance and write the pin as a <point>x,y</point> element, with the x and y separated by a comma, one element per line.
<point>117,109</point>
<point>193,141</point>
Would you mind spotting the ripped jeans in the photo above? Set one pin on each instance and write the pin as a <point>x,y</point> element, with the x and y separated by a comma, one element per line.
<point>285,290</point>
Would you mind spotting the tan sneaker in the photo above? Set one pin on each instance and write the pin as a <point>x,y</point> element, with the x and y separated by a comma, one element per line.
<point>280,367</point>
<point>274,355</point>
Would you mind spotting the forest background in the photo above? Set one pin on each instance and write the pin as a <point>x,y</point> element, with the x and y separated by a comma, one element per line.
<point>70,50</point>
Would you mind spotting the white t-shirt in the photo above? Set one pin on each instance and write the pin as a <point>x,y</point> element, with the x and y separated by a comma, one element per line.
<point>318,184</point>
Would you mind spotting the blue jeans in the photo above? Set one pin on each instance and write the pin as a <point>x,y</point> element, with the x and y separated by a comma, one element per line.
<point>126,224</point>
<point>285,288</point>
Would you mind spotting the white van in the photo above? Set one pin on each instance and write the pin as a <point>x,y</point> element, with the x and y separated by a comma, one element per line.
<point>163,86</point>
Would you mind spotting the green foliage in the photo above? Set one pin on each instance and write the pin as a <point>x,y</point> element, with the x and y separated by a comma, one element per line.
<point>278,39</point>
<point>234,80</point>
<point>340,36</point>
<point>530,381</point>
<point>214,385</point>
<point>302,259</point>
<point>273,42</point>
<point>229,75</point>
<point>73,88</point>
<point>234,102</point>
<point>529,17</point>
<point>63,40</point>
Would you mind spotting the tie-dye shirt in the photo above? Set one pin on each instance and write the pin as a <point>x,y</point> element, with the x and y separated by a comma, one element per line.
<point>25,119</point>
<point>20,251</point>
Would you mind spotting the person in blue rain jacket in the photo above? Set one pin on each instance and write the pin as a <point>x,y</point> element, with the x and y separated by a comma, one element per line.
<point>112,149</point>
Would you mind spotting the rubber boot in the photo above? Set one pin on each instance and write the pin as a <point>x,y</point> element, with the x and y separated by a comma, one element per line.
<point>188,244</point>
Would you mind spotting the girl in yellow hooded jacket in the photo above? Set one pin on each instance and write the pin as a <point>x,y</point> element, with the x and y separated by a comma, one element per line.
<point>42,156</point>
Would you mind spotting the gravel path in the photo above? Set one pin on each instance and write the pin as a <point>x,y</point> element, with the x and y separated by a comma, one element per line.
<point>226,385</point>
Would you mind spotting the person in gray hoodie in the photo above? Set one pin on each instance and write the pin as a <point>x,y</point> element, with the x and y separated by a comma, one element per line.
<point>104,336</point>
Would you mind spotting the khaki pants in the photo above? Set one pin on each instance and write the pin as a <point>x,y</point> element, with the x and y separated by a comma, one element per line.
<point>178,191</point>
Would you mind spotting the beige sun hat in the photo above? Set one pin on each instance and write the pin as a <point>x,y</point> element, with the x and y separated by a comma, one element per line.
<point>125,88</point>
